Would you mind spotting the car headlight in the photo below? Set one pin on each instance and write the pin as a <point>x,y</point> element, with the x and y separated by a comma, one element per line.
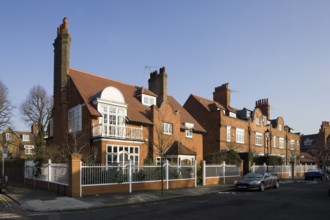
<point>255,182</point>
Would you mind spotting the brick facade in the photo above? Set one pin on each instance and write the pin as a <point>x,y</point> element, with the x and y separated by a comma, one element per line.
<point>242,130</point>
<point>117,119</point>
<point>20,144</point>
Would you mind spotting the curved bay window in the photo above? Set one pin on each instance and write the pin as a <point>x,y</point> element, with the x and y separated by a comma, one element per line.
<point>120,155</point>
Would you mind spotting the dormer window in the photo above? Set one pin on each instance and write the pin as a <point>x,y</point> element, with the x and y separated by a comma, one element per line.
<point>308,142</point>
<point>232,114</point>
<point>148,100</point>
<point>25,137</point>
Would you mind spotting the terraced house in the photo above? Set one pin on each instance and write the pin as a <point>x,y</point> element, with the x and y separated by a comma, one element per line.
<point>243,130</point>
<point>116,121</point>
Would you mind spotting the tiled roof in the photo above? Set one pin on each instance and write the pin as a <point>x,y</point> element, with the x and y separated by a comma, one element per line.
<point>145,91</point>
<point>210,105</point>
<point>307,158</point>
<point>178,148</point>
<point>89,85</point>
<point>185,116</point>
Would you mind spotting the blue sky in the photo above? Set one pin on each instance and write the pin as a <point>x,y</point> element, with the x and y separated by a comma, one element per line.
<point>275,49</point>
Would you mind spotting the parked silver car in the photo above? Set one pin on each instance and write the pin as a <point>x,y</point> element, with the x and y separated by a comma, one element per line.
<point>259,181</point>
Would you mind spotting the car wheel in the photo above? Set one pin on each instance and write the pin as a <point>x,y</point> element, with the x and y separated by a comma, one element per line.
<point>277,184</point>
<point>262,187</point>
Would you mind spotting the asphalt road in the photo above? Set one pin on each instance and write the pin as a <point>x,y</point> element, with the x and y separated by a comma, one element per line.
<point>293,200</point>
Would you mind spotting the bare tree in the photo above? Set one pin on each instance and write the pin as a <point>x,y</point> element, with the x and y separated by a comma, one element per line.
<point>5,107</point>
<point>163,138</point>
<point>321,152</point>
<point>36,109</point>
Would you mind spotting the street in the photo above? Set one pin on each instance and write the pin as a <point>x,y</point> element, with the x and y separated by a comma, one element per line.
<point>293,200</point>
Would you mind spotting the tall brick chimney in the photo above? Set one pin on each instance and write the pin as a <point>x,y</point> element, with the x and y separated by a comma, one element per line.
<point>61,70</point>
<point>61,56</point>
<point>158,85</point>
<point>221,94</point>
<point>264,106</point>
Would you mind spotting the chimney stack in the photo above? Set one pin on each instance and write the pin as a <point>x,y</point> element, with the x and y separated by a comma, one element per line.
<point>61,71</point>
<point>61,56</point>
<point>158,85</point>
<point>264,106</point>
<point>221,94</point>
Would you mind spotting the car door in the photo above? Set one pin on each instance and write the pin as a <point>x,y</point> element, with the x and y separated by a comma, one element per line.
<point>267,180</point>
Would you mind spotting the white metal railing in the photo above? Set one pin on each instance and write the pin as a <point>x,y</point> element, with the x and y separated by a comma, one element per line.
<point>97,174</point>
<point>116,131</point>
<point>51,172</point>
<point>282,169</point>
<point>220,170</point>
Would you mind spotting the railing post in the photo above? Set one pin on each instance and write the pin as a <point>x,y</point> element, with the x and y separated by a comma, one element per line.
<point>224,171</point>
<point>167,173</point>
<point>253,167</point>
<point>80,180</point>
<point>75,175</point>
<point>195,173</point>
<point>130,175</point>
<point>204,173</point>
<point>49,171</point>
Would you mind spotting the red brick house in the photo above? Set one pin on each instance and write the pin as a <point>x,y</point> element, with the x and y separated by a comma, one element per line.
<point>121,121</point>
<point>242,130</point>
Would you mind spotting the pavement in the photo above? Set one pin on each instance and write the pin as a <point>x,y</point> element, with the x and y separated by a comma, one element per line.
<point>39,200</point>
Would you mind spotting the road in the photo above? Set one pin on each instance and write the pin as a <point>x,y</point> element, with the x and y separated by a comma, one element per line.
<point>298,200</point>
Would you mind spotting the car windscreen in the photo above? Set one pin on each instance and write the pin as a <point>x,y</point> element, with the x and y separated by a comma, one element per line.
<point>254,175</point>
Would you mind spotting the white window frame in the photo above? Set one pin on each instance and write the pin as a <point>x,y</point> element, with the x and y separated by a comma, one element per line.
<point>258,139</point>
<point>292,142</point>
<point>116,154</point>
<point>281,142</point>
<point>280,127</point>
<point>232,114</point>
<point>264,119</point>
<point>167,128</point>
<point>189,133</point>
<point>274,141</point>
<point>148,100</point>
<point>25,137</point>
<point>258,121</point>
<point>189,130</point>
<point>159,159</point>
<point>113,120</point>
<point>51,127</point>
<point>8,136</point>
<point>75,119</point>
<point>28,149</point>
<point>240,135</point>
<point>228,133</point>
